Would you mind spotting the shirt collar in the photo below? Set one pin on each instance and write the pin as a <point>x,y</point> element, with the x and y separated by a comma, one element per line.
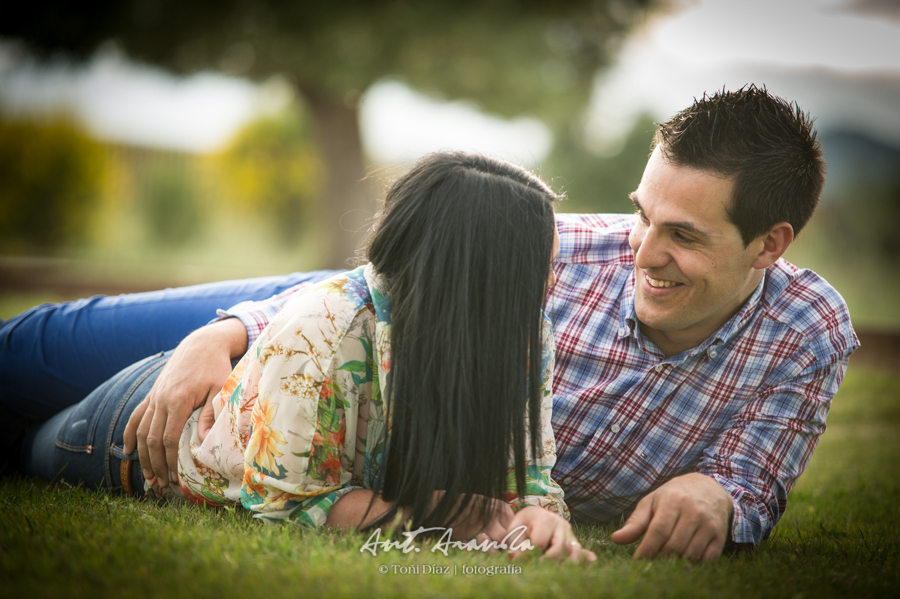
<point>627,316</point>
<point>734,325</point>
<point>378,289</point>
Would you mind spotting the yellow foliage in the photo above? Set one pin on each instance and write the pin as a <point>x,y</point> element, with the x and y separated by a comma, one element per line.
<point>51,177</point>
<point>273,167</point>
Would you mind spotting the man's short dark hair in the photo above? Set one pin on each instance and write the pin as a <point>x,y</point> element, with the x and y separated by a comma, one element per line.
<point>765,144</point>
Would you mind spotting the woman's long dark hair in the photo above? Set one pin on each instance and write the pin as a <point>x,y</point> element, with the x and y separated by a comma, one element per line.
<point>464,244</point>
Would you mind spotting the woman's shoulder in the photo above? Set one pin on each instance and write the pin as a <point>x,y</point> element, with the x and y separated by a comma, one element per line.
<point>348,289</point>
<point>330,305</point>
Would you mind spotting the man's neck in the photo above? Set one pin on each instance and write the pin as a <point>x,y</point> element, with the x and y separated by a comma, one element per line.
<point>670,343</point>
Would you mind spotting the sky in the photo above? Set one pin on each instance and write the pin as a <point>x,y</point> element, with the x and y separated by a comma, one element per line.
<point>841,65</point>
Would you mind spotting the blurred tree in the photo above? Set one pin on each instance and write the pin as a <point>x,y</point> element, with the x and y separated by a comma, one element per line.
<point>595,183</point>
<point>510,56</point>
<point>50,180</point>
<point>861,202</point>
<point>273,167</point>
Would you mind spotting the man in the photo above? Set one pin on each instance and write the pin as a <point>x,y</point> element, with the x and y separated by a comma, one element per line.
<point>695,367</point>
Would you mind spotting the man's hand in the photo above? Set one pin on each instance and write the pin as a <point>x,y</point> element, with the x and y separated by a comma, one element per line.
<point>552,533</point>
<point>688,517</point>
<point>194,374</point>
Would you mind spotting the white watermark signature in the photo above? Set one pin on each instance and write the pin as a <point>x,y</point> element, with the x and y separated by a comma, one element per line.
<point>453,570</point>
<point>515,540</point>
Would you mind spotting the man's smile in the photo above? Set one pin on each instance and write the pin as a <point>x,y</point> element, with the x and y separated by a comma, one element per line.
<point>660,283</point>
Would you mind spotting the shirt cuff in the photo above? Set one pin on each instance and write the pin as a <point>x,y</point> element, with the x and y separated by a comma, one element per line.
<point>312,512</point>
<point>253,320</point>
<point>749,521</point>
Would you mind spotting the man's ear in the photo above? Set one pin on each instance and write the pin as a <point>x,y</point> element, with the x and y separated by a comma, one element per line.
<point>775,244</point>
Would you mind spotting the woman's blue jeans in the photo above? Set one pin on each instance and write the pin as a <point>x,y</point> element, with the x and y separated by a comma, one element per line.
<point>83,444</point>
<point>54,355</point>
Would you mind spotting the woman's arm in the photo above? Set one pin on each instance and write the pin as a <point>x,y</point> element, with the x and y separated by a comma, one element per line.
<point>353,511</point>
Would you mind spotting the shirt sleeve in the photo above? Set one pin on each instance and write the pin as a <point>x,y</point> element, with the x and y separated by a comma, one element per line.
<point>256,315</point>
<point>540,489</point>
<point>767,445</point>
<point>305,372</point>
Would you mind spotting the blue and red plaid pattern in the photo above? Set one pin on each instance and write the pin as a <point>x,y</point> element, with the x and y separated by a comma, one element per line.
<point>256,315</point>
<point>746,407</point>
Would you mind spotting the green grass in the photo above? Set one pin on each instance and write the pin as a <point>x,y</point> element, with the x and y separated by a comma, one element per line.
<point>837,539</point>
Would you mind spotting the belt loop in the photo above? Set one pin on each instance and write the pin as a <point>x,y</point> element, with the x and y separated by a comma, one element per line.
<point>125,474</point>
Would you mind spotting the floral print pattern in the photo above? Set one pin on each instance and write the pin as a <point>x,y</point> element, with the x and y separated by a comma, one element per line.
<point>301,420</point>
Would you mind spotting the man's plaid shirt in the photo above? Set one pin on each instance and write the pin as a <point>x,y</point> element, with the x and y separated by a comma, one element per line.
<point>746,407</point>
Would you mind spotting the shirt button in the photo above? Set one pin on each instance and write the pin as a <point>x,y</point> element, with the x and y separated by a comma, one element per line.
<point>712,354</point>
<point>659,367</point>
<point>622,331</point>
<point>614,428</point>
<point>567,480</point>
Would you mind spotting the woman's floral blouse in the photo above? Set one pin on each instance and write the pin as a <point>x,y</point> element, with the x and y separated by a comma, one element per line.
<point>300,421</point>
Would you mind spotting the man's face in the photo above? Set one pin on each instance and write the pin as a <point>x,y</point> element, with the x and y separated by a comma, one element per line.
<point>692,271</point>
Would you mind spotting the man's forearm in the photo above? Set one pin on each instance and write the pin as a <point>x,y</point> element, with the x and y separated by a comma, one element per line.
<point>229,333</point>
<point>194,374</point>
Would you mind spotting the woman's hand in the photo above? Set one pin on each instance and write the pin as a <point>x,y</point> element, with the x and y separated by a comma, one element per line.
<point>348,511</point>
<point>470,524</point>
<point>552,533</point>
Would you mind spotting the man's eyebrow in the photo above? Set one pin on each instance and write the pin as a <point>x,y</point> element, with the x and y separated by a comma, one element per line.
<point>683,225</point>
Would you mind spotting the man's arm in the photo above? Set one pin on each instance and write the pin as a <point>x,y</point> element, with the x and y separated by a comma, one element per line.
<point>741,485</point>
<point>198,368</point>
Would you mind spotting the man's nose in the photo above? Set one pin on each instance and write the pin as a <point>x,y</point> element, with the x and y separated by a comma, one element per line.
<point>649,249</point>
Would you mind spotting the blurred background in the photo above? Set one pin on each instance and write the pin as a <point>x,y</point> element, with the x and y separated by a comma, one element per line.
<point>154,143</point>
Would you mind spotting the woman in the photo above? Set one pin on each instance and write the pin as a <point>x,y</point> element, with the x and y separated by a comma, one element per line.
<point>416,387</point>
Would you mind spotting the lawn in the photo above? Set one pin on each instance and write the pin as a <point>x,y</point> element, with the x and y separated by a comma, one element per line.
<point>837,539</point>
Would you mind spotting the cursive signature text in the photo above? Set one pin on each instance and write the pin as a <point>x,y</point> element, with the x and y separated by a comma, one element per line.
<point>515,540</point>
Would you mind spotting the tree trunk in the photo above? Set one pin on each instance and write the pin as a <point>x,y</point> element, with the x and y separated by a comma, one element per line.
<point>349,199</point>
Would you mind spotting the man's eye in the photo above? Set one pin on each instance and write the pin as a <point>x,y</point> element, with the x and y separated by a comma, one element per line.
<point>641,216</point>
<point>683,238</point>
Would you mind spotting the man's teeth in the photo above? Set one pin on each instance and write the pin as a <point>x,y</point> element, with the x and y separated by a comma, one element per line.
<point>657,283</point>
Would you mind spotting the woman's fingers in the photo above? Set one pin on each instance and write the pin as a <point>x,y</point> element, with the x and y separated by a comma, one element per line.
<point>564,545</point>
<point>562,542</point>
<point>531,527</point>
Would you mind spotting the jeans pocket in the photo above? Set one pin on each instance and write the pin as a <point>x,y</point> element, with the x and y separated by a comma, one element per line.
<point>79,432</point>
<point>91,422</point>
<point>118,451</point>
